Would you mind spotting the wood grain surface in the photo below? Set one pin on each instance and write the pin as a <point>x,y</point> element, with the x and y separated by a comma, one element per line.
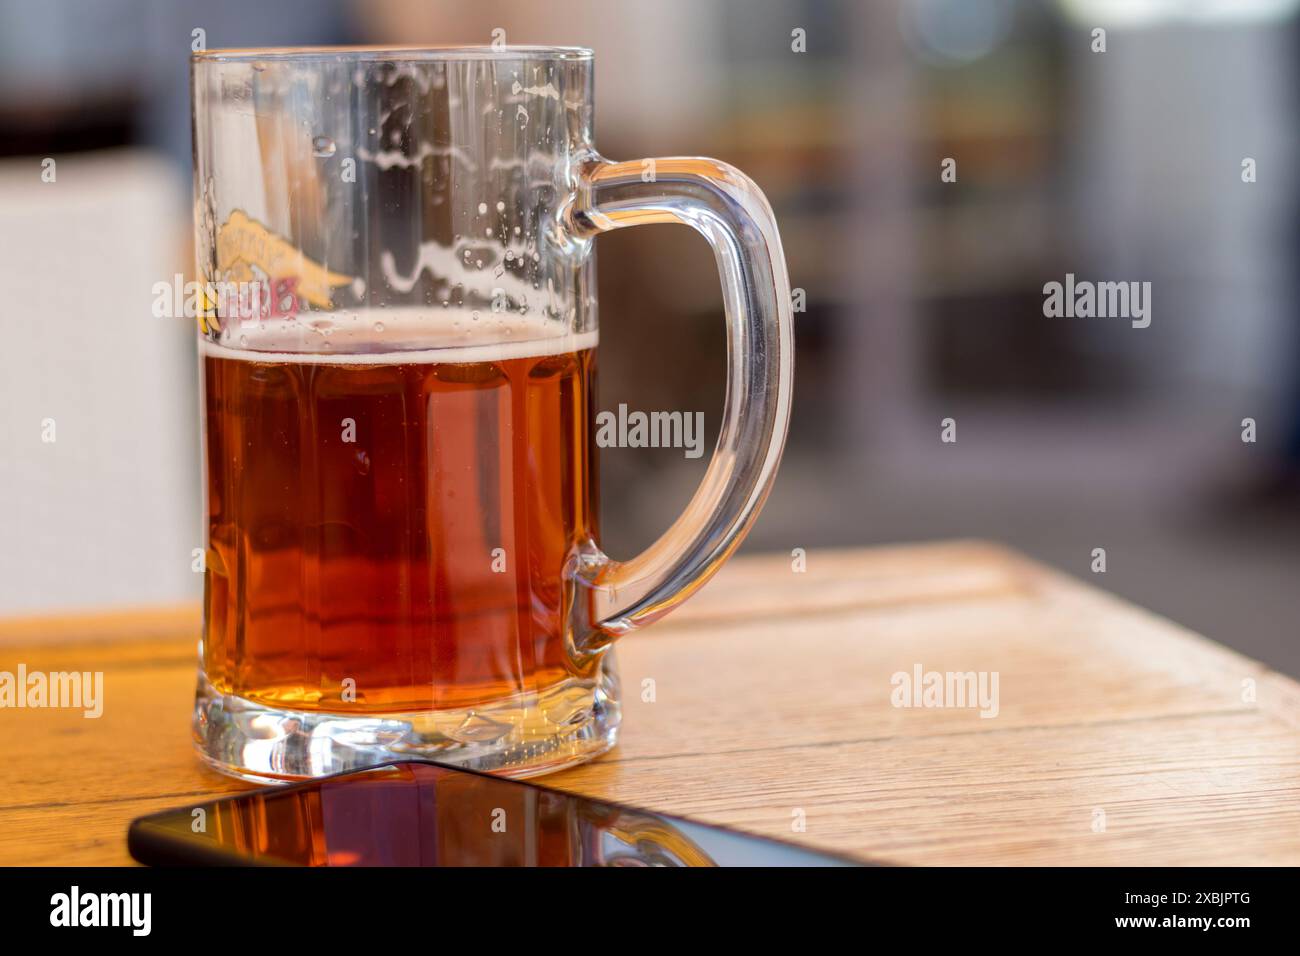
<point>765,704</point>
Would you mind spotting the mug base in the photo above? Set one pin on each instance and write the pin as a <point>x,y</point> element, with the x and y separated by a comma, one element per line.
<point>525,736</point>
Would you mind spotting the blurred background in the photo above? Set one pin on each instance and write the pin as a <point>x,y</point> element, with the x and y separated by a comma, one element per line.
<point>924,298</point>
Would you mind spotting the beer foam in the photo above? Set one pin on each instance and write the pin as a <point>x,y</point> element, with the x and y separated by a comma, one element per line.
<point>399,336</point>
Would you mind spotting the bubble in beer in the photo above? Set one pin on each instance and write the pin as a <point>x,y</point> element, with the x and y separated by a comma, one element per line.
<point>323,147</point>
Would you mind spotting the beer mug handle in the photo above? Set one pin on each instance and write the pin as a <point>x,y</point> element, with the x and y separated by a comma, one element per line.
<point>724,205</point>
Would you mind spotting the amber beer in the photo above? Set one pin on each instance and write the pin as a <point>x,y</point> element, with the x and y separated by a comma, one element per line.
<point>388,530</point>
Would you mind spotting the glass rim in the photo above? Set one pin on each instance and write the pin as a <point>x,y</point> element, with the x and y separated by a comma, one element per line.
<point>383,54</point>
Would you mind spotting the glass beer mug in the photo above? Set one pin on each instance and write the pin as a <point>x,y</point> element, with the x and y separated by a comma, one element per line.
<point>397,340</point>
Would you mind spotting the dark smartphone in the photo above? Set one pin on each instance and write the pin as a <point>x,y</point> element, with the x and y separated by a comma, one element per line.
<point>417,813</point>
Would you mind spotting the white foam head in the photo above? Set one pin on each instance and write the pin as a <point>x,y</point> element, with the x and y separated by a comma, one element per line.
<point>397,336</point>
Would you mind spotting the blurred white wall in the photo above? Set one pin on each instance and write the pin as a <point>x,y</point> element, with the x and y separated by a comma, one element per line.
<point>1167,116</point>
<point>107,513</point>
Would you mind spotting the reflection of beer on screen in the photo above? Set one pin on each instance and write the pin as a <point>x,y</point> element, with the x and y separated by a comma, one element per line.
<point>399,519</point>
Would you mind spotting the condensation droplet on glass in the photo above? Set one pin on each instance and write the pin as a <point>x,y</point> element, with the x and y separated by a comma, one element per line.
<point>487,231</point>
<point>323,147</point>
<point>379,326</point>
<point>474,316</point>
<point>482,208</point>
<point>521,114</point>
<point>501,206</point>
<point>516,230</point>
<point>243,341</point>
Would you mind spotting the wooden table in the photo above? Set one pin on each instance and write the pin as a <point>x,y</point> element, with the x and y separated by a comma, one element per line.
<point>1120,738</point>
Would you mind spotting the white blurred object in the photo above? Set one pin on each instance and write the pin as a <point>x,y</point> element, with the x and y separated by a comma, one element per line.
<point>107,514</point>
<point>955,32</point>
<point>1141,13</point>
